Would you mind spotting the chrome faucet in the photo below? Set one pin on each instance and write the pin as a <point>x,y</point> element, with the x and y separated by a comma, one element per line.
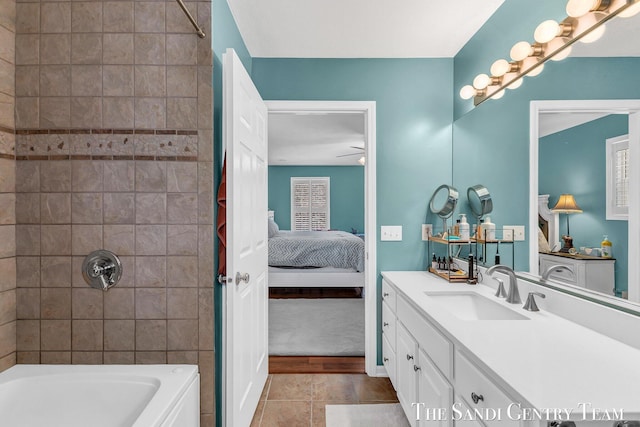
<point>513,296</point>
<point>552,268</point>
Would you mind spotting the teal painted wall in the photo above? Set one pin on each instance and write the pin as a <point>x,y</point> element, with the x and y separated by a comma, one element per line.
<point>414,114</point>
<point>346,201</point>
<point>574,161</point>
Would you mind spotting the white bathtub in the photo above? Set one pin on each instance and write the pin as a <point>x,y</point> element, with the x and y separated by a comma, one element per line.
<point>100,396</point>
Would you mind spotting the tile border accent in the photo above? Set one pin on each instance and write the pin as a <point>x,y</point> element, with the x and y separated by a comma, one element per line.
<point>106,144</point>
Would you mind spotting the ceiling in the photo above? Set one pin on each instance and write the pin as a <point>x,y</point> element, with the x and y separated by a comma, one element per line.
<point>313,139</point>
<point>359,28</point>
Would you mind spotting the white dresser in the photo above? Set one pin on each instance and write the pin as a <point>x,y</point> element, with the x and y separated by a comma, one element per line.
<point>593,273</point>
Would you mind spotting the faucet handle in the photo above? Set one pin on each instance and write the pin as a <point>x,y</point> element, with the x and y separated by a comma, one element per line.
<point>500,293</point>
<point>531,305</point>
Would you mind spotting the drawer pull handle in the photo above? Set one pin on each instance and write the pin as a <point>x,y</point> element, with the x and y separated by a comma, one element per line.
<point>385,324</point>
<point>386,359</point>
<point>409,357</point>
<point>416,368</point>
<point>386,294</point>
<point>476,397</point>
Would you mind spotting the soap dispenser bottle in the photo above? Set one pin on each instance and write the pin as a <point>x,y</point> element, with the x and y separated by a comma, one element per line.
<point>605,248</point>
<point>488,229</point>
<point>464,227</point>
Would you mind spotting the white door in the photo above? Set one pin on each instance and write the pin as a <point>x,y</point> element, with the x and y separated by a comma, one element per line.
<point>245,362</point>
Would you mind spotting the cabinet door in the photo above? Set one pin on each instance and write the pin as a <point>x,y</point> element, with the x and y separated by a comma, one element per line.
<point>389,361</point>
<point>407,355</point>
<point>435,395</point>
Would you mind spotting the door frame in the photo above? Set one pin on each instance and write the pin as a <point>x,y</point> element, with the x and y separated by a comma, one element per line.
<point>370,271</point>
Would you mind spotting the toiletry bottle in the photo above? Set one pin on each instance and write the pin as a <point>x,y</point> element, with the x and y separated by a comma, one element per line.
<point>488,229</point>
<point>605,248</point>
<point>434,262</point>
<point>439,264</point>
<point>450,264</point>
<point>456,228</point>
<point>464,227</point>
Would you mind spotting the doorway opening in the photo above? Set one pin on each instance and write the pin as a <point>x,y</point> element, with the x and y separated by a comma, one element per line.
<point>326,136</point>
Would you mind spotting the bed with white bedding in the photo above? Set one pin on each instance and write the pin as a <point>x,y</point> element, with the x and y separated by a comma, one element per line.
<point>316,259</point>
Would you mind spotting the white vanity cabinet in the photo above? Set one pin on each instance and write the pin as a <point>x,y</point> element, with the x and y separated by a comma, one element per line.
<point>425,363</point>
<point>589,272</point>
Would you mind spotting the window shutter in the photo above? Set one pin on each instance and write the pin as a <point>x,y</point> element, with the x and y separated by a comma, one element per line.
<point>618,178</point>
<point>309,203</point>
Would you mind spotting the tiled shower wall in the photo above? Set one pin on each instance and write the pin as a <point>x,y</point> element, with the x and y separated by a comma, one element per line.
<point>114,150</point>
<point>7,186</point>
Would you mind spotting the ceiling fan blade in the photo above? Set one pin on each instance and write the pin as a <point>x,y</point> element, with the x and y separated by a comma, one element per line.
<point>352,154</point>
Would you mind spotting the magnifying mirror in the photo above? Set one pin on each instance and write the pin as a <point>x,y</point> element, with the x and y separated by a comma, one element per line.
<point>443,203</point>
<point>479,200</point>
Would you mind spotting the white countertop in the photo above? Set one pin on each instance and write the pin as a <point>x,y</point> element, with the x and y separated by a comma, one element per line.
<point>549,361</point>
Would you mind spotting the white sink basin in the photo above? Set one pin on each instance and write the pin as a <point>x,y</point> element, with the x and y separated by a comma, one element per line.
<point>473,306</point>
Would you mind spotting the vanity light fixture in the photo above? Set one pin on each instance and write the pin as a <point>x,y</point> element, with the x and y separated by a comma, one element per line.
<point>552,41</point>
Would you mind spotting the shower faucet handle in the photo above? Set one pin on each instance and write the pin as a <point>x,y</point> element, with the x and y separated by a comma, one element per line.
<point>102,269</point>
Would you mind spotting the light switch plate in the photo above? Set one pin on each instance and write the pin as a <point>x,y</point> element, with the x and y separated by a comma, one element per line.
<point>514,231</point>
<point>427,231</point>
<point>390,233</point>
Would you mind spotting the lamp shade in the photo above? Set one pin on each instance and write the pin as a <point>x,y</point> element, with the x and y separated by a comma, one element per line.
<point>567,205</point>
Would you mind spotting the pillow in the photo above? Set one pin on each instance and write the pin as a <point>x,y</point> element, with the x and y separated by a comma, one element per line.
<point>543,245</point>
<point>273,228</point>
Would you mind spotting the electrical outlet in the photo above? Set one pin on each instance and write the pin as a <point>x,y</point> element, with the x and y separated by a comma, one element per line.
<point>427,231</point>
<point>391,233</point>
<point>514,232</point>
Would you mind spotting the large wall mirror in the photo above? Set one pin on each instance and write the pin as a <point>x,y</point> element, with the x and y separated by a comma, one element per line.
<point>538,136</point>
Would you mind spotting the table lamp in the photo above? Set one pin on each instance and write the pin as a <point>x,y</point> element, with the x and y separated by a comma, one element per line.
<point>567,205</point>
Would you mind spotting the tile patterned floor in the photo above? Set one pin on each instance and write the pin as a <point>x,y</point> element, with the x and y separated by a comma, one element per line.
<point>297,400</point>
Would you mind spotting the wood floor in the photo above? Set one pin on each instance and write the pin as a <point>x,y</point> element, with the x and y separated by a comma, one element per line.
<point>316,365</point>
<point>315,292</point>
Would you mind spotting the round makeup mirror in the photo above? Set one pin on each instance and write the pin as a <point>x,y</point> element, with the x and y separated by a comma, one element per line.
<point>479,200</point>
<point>443,201</point>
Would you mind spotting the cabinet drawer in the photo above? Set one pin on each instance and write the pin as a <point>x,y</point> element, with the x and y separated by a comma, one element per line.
<point>389,325</point>
<point>470,380</point>
<point>389,295</point>
<point>389,360</point>
<point>435,345</point>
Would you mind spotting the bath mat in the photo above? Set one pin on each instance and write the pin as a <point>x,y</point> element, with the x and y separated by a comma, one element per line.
<point>316,327</point>
<point>379,415</point>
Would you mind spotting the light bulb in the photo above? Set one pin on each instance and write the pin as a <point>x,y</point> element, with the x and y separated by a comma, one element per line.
<point>481,81</point>
<point>562,55</point>
<point>630,11</point>
<point>500,68</point>
<point>546,31</point>
<point>467,92</point>
<point>498,94</point>
<point>536,71</point>
<point>516,84</point>
<point>594,35</point>
<point>362,160</point>
<point>520,51</point>
<point>578,8</point>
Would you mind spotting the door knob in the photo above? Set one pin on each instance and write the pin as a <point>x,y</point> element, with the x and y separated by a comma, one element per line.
<point>242,278</point>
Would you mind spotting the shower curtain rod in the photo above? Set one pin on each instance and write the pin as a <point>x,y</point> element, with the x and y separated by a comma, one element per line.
<point>193,21</point>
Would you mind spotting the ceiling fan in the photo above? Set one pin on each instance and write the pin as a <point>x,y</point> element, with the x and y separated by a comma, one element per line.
<point>359,153</point>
